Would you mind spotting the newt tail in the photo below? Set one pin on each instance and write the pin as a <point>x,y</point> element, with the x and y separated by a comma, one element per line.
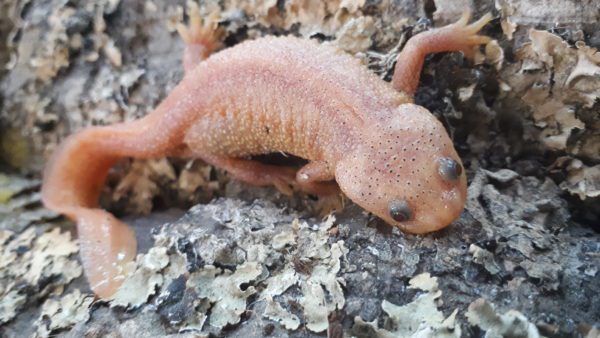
<point>73,190</point>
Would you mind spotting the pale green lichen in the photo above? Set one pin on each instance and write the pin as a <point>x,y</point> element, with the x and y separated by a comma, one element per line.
<point>321,289</point>
<point>9,305</point>
<point>15,150</point>
<point>424,282</point>
<point>43,261</point>
<point>63,313</point>
<point>142,282</point>
<point>510,324</point>
<point>223,288</point>
<point>419,318</point>
<point>274,311</point>
<point>280,282</point>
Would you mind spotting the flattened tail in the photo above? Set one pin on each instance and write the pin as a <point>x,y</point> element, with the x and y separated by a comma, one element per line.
<point>72,183</point>
<point>77,171</point>
<point>107,245</point>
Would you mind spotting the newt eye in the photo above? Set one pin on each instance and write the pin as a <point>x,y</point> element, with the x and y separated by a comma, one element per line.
<point>449,169</point>
<point>400,210</point>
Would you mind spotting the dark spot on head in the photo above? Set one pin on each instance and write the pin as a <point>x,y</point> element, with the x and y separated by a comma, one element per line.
<point>400,210</point>
<point>449,169</point>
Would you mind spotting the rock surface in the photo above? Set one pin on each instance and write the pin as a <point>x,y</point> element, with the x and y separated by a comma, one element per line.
<point>522,260</point>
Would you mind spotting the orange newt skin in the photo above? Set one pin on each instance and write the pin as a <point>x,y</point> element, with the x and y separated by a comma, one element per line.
<point>285,94</point>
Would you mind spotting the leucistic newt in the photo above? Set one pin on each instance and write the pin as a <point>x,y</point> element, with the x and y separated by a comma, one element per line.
<point>276,94</point>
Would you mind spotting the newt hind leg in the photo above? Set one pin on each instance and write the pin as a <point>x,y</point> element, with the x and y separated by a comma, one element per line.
<point>457,37</point>
<point>201,37</point>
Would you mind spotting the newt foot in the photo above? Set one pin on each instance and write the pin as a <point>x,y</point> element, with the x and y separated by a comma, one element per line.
<point>202,37</point>
<point>466,36</point>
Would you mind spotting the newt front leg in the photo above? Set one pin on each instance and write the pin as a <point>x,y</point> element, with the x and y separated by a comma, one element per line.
<point>316,177</point>
<point>201,37</point>
<point>457,37</point>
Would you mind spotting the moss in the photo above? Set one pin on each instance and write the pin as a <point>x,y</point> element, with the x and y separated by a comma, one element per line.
<point>15,149</point>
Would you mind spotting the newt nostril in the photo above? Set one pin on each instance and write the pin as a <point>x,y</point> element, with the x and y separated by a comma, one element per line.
<point>449,169</point>
<point>400,210</point>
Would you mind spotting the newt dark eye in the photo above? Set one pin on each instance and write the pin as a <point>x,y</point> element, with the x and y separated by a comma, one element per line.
<point>400,210</point>
<point>449,169</point>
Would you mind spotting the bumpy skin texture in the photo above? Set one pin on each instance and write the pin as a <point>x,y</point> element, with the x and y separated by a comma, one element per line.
<point>285,94</point>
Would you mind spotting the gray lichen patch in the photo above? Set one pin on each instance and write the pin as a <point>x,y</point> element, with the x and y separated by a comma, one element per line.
<point>63,313</point>
<point>223,289</point>
<point>10,304</point>
<point>510,324</point>
<point>559,85</point>
<point>20,204</point>
<point>37,260</point>
<point>275,312</point>
<point>419,318</point>
<point>35,265</point>
<point>221,263</point>
<point>236,268</point>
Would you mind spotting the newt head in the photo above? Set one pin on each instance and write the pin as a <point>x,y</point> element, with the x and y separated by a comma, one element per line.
<point>406,171</point>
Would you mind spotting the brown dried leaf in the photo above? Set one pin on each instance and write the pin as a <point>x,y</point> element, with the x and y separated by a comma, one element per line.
<point>355,35</point>
<point>141,182</point>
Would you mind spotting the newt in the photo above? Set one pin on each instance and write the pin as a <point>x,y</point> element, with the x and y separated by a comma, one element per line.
<point>276,94</point>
